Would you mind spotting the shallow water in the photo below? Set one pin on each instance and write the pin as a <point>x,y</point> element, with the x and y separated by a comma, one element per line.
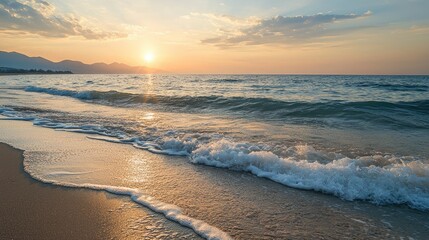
<point>354,137</point>
<point>238,204</point>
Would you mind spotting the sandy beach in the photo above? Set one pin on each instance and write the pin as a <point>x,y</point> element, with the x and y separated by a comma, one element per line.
<point>33,210</point>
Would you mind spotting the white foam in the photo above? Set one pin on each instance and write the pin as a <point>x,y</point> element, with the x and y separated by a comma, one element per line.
<point>10,114</point>
<point>18,118</point>
<point>379,179</point>
<point>145,145</point>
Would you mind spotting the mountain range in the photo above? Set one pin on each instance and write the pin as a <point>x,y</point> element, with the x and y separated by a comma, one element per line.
<point>21,61</point>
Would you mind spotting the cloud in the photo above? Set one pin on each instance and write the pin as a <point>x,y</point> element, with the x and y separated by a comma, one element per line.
<point>40,17</point>
<point>280,29</point>
<point>224,20</point>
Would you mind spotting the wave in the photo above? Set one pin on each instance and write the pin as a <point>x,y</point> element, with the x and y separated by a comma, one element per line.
<point>380,179</point>
<point>392,87</point>
<point>394,114</point>
<point>227,80</point>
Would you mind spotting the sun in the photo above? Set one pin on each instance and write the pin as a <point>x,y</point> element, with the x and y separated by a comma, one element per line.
<point>148,57</point>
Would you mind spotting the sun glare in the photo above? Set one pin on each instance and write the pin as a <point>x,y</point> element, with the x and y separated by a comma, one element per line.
<point>149,57</point>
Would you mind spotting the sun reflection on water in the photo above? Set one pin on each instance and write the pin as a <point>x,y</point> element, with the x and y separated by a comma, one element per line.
<point>148,116</point>
<point>138,169</point>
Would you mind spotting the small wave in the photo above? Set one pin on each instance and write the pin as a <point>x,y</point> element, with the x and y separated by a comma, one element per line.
<point>378,179</point>
<point>10,114</point>
<point>226,80</point>
<point>150,146</point>
<point>393,87</point>
<point>394,114</point>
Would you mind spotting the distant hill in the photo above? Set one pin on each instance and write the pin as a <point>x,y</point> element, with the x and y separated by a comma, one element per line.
<point>21,61</point>
<point>7,71</point>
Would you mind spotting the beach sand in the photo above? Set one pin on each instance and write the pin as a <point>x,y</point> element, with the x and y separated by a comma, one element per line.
<point>33,210</point>
<point>38,211</point>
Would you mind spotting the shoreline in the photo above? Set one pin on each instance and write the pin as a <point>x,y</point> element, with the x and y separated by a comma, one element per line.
<point>30,209</point>
<point>16,74</point>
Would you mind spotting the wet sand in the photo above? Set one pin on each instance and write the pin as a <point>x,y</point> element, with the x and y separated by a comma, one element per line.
<point>33,210</point>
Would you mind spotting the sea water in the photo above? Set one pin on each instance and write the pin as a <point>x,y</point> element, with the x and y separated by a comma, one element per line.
<point>353,137</point>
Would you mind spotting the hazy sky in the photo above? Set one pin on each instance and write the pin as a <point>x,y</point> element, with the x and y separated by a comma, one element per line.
<point>220,36</point>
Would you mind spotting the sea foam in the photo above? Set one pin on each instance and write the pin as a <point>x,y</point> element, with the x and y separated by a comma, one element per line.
<point>378,179</point>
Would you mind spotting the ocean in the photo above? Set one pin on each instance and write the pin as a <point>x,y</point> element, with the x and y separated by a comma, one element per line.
<point>357,139</point>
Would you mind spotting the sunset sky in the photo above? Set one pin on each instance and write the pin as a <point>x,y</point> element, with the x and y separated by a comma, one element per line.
<point>220,36</point>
